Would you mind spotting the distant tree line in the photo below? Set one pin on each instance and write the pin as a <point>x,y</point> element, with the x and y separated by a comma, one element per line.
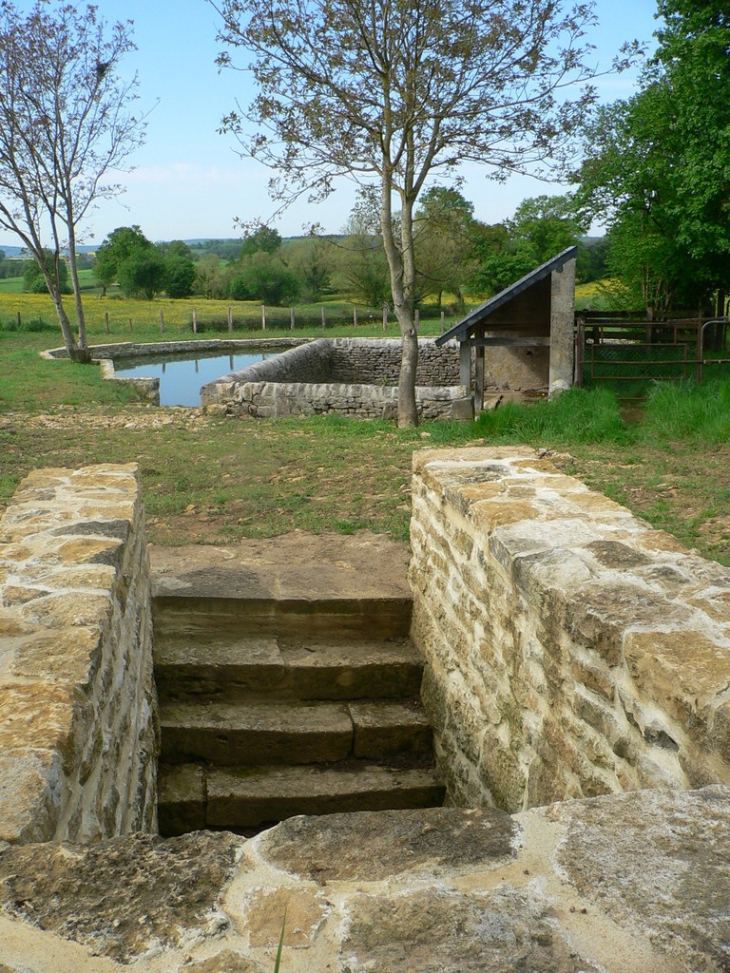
<point>457,256</point>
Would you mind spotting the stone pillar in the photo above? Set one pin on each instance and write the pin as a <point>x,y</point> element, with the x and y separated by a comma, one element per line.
<point>562,313</point>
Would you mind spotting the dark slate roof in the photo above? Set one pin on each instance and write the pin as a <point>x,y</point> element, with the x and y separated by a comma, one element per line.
<point>477,316</point>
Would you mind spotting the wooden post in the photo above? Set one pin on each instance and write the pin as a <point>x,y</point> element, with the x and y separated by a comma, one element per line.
<point>354,316</point>
<point>417,319</point>
<point>106,321</point>
<point>479,382</point>
<point>230,318</point>
<point>195,321</point>
<point>385,317</point>
<point>20,321</point>
<point>465,364</point>
<point>130,326</point>
<point>292,317</point>
<point>324,317</point>
<point>263,317</point>
<point>162,321</point>
<point>443,322</point>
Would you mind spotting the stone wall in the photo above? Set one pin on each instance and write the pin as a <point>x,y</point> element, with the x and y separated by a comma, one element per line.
<point>571,650</point>
<point>637,883</point>
<point>349,376</point>
<point>78,716</point>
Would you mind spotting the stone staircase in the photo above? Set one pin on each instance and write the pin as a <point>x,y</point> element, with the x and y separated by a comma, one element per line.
<point>273,707</point>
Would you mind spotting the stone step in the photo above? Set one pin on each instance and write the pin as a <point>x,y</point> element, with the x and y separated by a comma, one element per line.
<point>192,797</point>
<point>188,667</point>
<point>196,614</point>
<point>256,732</point>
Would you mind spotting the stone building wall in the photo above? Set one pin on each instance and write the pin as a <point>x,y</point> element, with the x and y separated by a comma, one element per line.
<point>78,712</point>
<point>571,650</point>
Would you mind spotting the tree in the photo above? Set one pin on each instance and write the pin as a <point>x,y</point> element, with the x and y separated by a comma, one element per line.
<point>34,279</point>
<point>657,166</point>
<point>64,123</point>
<point>179,279</point>
<point>549,225</point>
<point>263,277</point>
<point>361,256</point>
<point>142,273</point>
<point>120,245</point>
<point>391,92</point>
<point>311,260</point>
<point>263,238</point>
<point>444,239</point>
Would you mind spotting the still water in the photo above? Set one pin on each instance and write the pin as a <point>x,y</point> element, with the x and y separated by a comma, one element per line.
<point>181,376</point>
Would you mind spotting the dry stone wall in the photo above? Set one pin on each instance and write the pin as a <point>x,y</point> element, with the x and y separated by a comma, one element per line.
<point>571,650</point>
<point>349,376</point>
<point>78,714</point>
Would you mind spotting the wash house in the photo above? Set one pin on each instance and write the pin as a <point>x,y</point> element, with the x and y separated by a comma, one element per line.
<point>521,340</point>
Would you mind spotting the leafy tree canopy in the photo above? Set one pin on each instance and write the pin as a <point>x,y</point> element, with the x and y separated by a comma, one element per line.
<point>122,243</point>
<point>393,93</point>
<point>657,165</point>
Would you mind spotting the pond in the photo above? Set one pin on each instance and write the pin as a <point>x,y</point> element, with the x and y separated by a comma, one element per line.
<point>181,376</point>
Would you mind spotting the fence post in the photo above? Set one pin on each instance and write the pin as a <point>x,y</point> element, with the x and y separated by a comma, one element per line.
<point>417,318</point>
<point>443,327</point>
<point>230,318</point>
<point>291,318</point>
<point>385,317</point>
<point>195,321</point>
<point>162,321</point>
<point>354,316</point>
<point>20,321</point>
<point>324,317</point>
<point>106,321</point>
<point>263,317</point>
<point>130,326</point>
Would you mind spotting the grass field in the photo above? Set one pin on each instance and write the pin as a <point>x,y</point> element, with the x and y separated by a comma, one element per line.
<point>117,317</point>
<point>216,480</point>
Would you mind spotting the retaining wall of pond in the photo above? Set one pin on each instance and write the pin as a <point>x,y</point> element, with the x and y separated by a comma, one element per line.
<point>356,377</point>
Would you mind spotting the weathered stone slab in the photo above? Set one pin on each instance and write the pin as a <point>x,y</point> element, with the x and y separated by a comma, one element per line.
<point>125,896</point>
<point>637,883</point>
<point>255,732</point>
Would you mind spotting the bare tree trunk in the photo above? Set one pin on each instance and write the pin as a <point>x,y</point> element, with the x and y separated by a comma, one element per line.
<point>54,291</point>
<point>399,262</point>
<point>80,316</point>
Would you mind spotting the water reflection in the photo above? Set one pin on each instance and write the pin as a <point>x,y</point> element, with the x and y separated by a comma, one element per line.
<point>182,376</point>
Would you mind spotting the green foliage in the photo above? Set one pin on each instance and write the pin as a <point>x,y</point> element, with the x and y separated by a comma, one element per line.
<point>658,164</point>
<point>35,283</point>
<point>540,229</point>
<point>263,277</point>
<point>120,245</point>
<point>142,273</point>
<point>362,263</point>
<point>263,239</point>
<point>444,230</point>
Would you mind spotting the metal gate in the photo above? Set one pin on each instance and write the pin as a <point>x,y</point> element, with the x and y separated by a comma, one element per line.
<point>616,347</point>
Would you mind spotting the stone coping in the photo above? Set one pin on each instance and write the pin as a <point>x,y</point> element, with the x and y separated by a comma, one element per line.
<point>131,349</point>
<point>637,883</point>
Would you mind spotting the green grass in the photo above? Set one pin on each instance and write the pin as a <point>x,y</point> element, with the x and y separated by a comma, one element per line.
<point>217,480</point>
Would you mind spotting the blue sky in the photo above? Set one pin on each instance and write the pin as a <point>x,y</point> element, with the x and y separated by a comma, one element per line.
<point>189,182</point>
